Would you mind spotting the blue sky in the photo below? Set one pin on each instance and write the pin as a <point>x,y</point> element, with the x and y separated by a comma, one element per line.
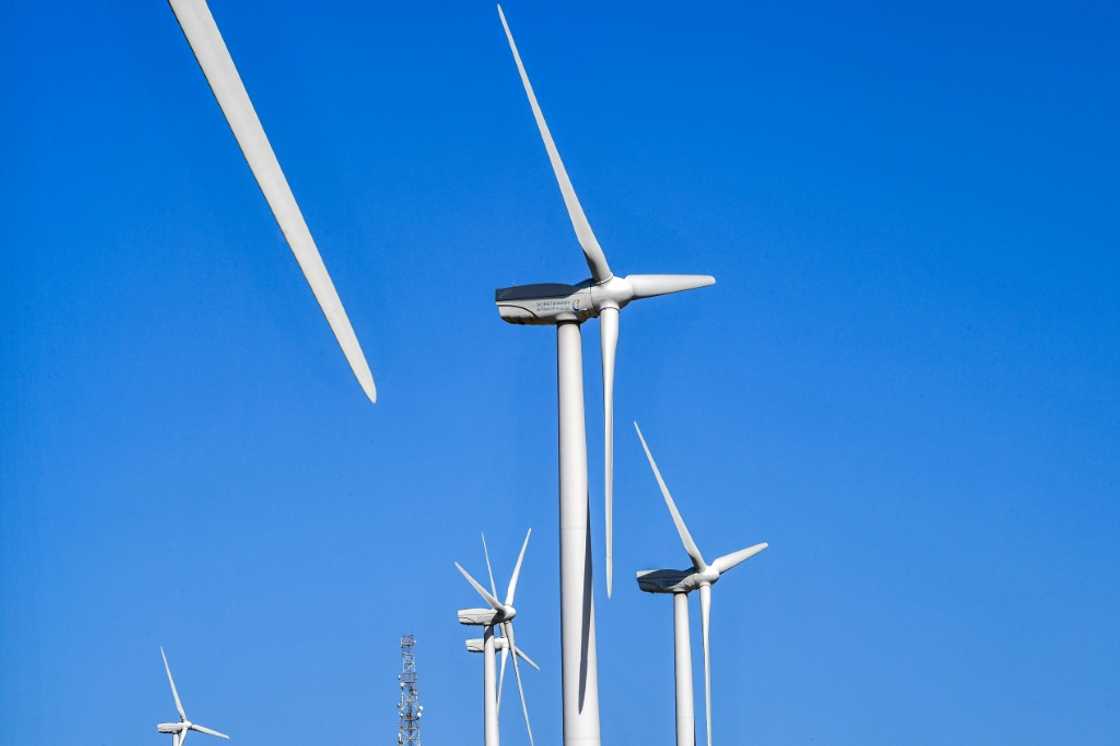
<point>906,379</point>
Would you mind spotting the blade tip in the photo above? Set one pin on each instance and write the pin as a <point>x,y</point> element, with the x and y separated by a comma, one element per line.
<point>369,387</point>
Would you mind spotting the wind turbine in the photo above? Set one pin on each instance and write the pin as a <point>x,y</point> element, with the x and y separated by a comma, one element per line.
<point>210,50</point>
<point>680,583</point>
<point>180,729</point>
<point>500,614</point>
<point>565,306</point>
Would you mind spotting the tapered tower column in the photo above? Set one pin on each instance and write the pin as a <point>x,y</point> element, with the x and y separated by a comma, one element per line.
<point>682,661</point>
<point>579,669</point>
<point>489,690</point>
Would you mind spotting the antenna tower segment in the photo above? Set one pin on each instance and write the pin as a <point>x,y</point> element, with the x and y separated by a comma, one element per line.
<point>409,707</point>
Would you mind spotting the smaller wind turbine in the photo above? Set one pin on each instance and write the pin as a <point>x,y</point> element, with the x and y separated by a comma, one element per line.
<point>680,583</point>
<point>180,729</point>
<point>500,614</point>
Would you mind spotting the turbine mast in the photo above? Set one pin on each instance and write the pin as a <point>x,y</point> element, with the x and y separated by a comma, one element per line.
<point>409,707</point>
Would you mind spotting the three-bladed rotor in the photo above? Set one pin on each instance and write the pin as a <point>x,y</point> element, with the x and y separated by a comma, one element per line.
<point>180,729</point>
<point>604,295</point>
<point>503,616</point>
<point>702,576</point>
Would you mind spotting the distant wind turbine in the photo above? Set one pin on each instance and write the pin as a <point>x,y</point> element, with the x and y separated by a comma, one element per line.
<point>180,729</point>
<point>680,583</point>
<point>500,614</point>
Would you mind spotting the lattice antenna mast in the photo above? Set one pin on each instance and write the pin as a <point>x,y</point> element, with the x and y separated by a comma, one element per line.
<point>409,707</point>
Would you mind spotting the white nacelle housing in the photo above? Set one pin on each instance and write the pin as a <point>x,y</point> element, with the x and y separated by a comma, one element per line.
<point>550,303</point>
<point>545,303</point>
<point>668,581</point>
<point>477,617</point>
<point>478,645</point>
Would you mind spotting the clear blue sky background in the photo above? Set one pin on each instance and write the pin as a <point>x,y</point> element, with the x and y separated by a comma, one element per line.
<point>906,379</point>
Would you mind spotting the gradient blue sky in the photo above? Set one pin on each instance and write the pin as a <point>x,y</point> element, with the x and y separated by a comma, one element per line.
<point>906,379</point>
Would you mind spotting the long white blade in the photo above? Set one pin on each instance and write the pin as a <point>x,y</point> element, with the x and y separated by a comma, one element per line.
<point>608,340</point>
<point>592,251</point>
<point>502,673</point>
<point>507,629</point>
<point>174,691</point>
<point>682,530</point>
<point>183,736</point>
<point>648,286</point>
<point>521,654</point>
<point>489,567</point>
<point>505,648</point>
<point>705,615</point>
<point>210,50</point>
<point>494,603</point>
<point>727,561</point>
<point>511,589</point>
<point>208,731</point>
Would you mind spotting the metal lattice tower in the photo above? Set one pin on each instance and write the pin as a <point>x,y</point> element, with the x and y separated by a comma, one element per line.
<point>410,708</point>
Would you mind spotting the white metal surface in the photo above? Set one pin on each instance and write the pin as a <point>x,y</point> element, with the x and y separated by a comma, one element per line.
<point>217,65</point>
<point>579,666</point>
<point>682,669</point>
<point>489,690</point>
<point>596,260</point>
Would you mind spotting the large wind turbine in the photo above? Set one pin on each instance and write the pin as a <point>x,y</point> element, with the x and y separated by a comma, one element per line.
<point>210,50</point>
<point>680,583</point>
<point>565,306</point>
<point>180,729</point>
<point>500,614</point>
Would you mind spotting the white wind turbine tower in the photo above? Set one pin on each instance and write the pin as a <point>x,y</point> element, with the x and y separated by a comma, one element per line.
<point>566,307</point>
<point>180,729</point>
<point>680,583</point>
<point>500,614</point>
<point>210,50</point>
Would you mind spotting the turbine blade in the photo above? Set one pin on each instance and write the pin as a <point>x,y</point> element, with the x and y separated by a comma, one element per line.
<point>648,286</point>
<point>174,691</point>
<point>521,654</point>
<point>508,632</point>
<point>183,736</point>
<point>489,567</point>
<point>494,603</point>
<point>502,673</point>
<point>210,50</point>
<point>592,251</point>
<point>682,530</point>
<point>705,614</point>
<point>727,561</point>
<point>608,339</point>
<point>511,590</point>
<point>208,731</point>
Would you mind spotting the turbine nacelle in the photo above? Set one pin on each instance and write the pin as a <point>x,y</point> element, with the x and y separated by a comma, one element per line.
<point>485,617</point>
<point>552,303</point>
<point>172,727</point>
<point>684,581</point>
<point>671,581</point>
